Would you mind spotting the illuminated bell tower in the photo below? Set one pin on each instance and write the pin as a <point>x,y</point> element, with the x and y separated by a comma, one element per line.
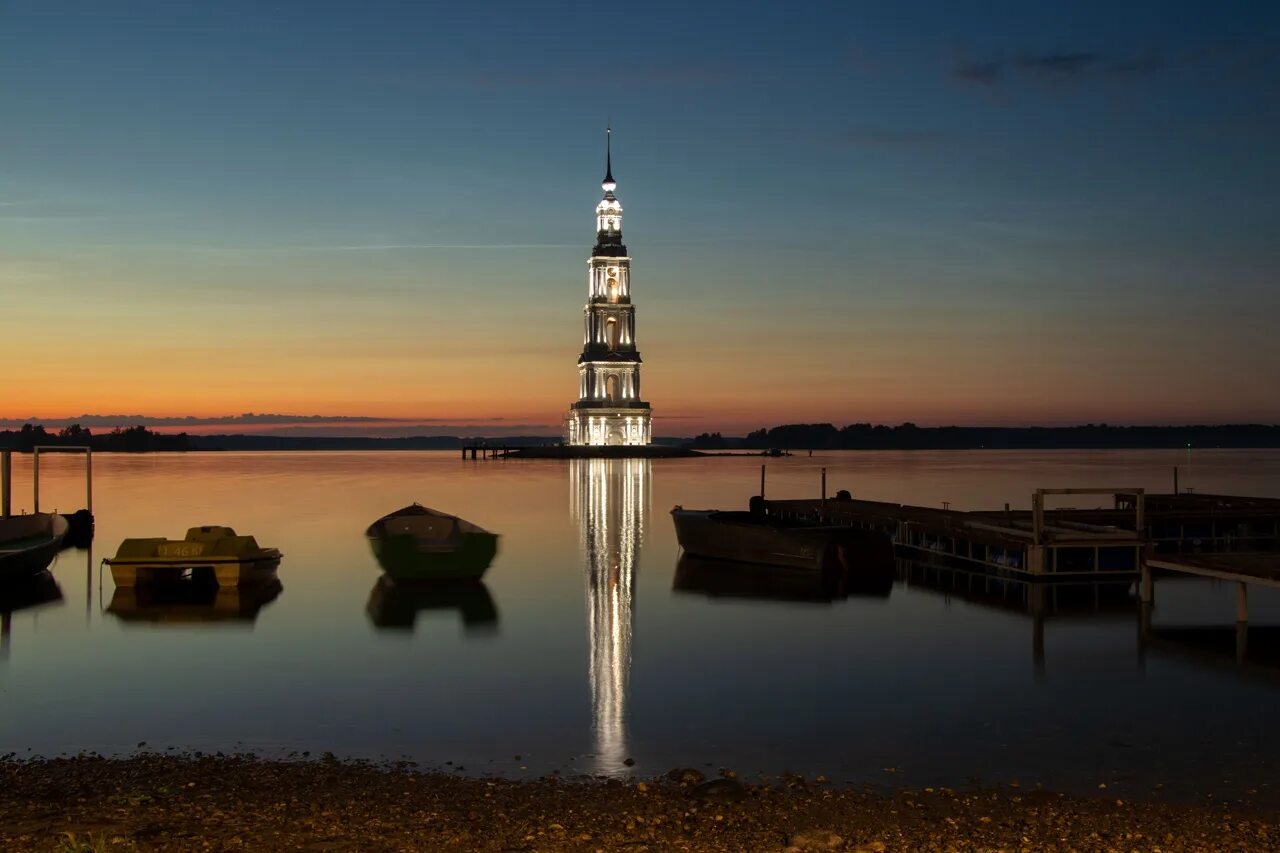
<point>609,408</point>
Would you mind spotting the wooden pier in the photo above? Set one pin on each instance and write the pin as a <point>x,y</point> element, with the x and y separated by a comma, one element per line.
<point>1039,543</point>
<point>1241,569</point>
<point>485,451</point>
<point>80,521</point>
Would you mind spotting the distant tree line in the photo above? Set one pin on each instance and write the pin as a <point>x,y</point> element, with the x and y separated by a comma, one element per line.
<point>908,436</point>
<point>135,439</point>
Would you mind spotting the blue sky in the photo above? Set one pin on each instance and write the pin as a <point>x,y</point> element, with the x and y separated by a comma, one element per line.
<point>1001,213</point>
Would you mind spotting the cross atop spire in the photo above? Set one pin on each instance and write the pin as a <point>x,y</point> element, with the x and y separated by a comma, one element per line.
<point>609,184</point>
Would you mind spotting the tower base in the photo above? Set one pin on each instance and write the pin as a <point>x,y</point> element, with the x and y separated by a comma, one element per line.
<point>605,427</point>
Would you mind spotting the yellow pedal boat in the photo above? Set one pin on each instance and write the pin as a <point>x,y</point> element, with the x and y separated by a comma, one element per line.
<point>209,552</point>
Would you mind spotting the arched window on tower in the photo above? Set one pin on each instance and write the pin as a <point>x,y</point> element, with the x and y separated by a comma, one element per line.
<point>613,290</point>
<point>611,333</point>
<point>611,388</point>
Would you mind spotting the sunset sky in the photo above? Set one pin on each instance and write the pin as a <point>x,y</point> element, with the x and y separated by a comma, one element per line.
<point>999,214</point>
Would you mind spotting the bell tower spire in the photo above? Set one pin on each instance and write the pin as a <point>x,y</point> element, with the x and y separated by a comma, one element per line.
<point>609,184</point>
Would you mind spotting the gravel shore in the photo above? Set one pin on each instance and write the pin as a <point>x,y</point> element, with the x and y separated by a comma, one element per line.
<point>151,802</point>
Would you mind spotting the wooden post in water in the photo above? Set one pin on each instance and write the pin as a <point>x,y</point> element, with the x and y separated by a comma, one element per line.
<point>1175,479</point>
<point>6,499</point>
<point>762,481</point>
<point>824,487</point>
<point>1242,602</point>
<point>35,480</point>
<point>88,479</point>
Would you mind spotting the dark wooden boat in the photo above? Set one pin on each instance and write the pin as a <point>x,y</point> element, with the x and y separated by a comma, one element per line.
<point>28,544</point>
<point>416,543</point>
<point>753,537</point>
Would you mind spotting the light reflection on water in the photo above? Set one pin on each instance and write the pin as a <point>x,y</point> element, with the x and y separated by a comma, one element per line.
<point>610,502</point>
<point>939,675</point>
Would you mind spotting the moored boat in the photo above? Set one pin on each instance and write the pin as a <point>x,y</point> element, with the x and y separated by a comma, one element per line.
<point>753,537</point>
<point>28,544</point>
<point>212,552</point>
<point>416,543</point>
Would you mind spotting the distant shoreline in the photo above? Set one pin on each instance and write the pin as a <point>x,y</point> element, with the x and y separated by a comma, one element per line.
<point>797,438</point>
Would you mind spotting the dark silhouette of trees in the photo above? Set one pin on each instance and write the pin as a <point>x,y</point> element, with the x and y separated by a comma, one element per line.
<point>135,439</point>
<point>908,436</point>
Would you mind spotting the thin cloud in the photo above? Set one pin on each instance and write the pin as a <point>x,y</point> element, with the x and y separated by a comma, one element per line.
<point>986,73</point>
<point>39,210</point>
<point>890,137</point>
<point>352,247</point>
<point>502,78</point>
<point>392,247</point>
<point>250,418</point>
<point>1060,67</point>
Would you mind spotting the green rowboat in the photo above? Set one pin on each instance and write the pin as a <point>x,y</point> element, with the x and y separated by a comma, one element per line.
<point>420,544</point>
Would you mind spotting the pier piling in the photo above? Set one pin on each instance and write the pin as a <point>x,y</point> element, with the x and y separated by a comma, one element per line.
<point>6,494</point>
<point>57,448</point>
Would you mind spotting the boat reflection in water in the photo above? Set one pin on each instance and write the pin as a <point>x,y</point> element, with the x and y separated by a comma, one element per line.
<point>609,498</point>
<point>193,602</point>
<point>25,593</point>
<point>395,606</point>
<point>732,579</point>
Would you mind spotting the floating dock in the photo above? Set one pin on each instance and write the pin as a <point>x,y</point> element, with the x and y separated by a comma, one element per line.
<point>1116,540</point>
<point>1040,543</point>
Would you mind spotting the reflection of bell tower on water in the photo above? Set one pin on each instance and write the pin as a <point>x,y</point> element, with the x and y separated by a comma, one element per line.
<point>609,408</point>
<point>610,500</point>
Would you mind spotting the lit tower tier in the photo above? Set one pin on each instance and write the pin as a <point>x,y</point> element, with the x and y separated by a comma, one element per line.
<point>610,409</point>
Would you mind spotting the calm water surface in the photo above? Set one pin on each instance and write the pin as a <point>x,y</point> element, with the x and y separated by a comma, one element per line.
<point>585,648</point>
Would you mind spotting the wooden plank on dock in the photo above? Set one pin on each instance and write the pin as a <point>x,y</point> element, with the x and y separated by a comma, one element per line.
<point>1259,568</point>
